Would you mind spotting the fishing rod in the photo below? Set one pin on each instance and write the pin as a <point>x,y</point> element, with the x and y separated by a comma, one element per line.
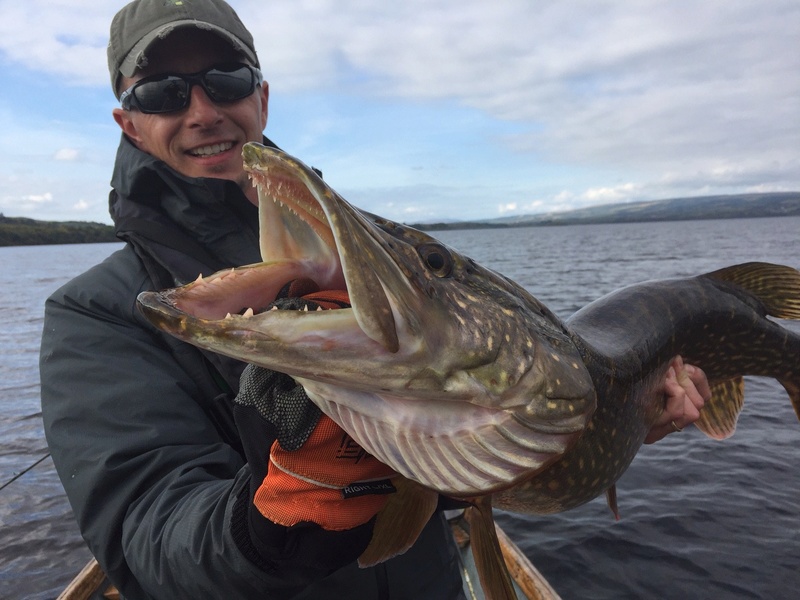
<point>21,473</point>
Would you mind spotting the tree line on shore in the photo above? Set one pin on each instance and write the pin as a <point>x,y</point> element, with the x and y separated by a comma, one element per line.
<point>19,231</point>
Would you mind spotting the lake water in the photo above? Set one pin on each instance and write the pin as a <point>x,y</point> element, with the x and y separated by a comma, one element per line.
<point>700,519</point>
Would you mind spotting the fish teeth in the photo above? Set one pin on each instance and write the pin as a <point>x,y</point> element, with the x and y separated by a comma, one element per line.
<point>248,313</point>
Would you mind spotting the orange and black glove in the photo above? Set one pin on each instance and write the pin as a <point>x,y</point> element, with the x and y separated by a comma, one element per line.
<point>314,490</point>
<point>329,481</point>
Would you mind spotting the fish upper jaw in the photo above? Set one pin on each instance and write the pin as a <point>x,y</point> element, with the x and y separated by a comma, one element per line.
<point>300,215</point>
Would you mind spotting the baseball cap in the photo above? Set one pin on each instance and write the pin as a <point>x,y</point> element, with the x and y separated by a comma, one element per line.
<point>142,22</point>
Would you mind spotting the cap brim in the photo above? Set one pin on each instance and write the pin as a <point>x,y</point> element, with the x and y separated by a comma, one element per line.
<point>137,58</point>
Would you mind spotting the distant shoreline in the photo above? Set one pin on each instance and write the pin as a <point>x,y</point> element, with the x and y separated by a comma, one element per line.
<point>734,206</point>
<point>20,231</point>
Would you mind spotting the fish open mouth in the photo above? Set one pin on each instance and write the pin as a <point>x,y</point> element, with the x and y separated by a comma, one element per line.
<point>389,365</point>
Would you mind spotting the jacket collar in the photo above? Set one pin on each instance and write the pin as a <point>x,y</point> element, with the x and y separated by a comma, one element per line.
<point>188,225</point>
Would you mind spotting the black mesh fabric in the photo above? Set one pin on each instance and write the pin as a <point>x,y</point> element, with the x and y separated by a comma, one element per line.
<point>282,402</point>
<point>276,396</point>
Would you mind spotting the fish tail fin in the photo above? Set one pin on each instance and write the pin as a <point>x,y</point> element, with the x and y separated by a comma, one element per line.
<point>776,286</point>
<point>491,565</point>
<point>719,415</point>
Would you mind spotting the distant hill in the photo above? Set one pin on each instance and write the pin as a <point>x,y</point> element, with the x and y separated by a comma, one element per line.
<point>738,206</point>
<point>18,231</point>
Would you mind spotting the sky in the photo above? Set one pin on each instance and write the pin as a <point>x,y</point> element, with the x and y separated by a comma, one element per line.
<point>428,110</point>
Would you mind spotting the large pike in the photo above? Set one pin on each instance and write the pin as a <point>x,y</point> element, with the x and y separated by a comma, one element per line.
<point>457,377</point>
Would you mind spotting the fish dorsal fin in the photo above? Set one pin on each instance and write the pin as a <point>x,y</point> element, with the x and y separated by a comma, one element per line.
<point>719,415</point>
<point>399,522</point>
<point>611,498</point>
<point>776,286</point>
<point>491,566</point>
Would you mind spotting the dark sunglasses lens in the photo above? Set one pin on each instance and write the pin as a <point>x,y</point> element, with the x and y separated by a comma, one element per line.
<point>226,86</point>
<point>163,95</point>
<point>171,92</point>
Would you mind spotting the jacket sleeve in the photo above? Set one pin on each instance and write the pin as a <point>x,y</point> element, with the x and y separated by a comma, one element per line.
<point>151,481</point>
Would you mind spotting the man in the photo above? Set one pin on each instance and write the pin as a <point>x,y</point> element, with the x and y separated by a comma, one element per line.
<point>162,456</point>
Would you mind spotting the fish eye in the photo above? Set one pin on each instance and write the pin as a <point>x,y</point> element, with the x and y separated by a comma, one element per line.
<point>437,258</point>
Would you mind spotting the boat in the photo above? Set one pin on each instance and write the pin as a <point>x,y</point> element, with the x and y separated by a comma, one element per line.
<point>529,583</point>
<point>92,584</point>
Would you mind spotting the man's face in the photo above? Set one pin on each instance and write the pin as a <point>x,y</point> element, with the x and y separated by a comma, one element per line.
<point>204,139</point>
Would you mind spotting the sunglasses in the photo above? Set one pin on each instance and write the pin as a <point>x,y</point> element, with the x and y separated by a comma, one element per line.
<point>169,93</point>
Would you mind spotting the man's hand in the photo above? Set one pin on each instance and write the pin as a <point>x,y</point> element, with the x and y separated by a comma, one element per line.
<point>330,480</point>
<point>686,391</point>
<point>314,472</point>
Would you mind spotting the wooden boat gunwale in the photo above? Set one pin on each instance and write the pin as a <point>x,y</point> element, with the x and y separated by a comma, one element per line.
<point>91,583</point>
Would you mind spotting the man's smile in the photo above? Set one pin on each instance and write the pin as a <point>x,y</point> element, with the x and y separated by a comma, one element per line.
<point>211,150</point>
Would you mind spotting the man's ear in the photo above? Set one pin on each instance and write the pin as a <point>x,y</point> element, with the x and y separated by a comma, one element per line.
<point>264,104</point>
<point>123,119</point>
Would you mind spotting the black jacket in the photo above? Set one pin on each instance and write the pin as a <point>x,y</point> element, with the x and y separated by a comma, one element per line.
<point>141,428</point>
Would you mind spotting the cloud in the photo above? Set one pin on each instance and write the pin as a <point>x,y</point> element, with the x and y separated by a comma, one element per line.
<point>66,154</point>
<point>642,100</point>
<point>610,195</point>
<point>38,198</point>
<point>67,38</point>
<point>647,86</point>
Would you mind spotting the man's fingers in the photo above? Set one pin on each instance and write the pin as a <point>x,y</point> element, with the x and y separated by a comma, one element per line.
<point>700,381</point>
<point>686,391</point>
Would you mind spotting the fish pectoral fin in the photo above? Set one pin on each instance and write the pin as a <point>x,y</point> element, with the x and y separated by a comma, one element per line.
<point>400,521</point>
<point>719,415</point>
<point>489,561</point>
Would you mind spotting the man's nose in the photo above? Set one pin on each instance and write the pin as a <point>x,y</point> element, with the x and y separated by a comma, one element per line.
<point>202,109</point>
